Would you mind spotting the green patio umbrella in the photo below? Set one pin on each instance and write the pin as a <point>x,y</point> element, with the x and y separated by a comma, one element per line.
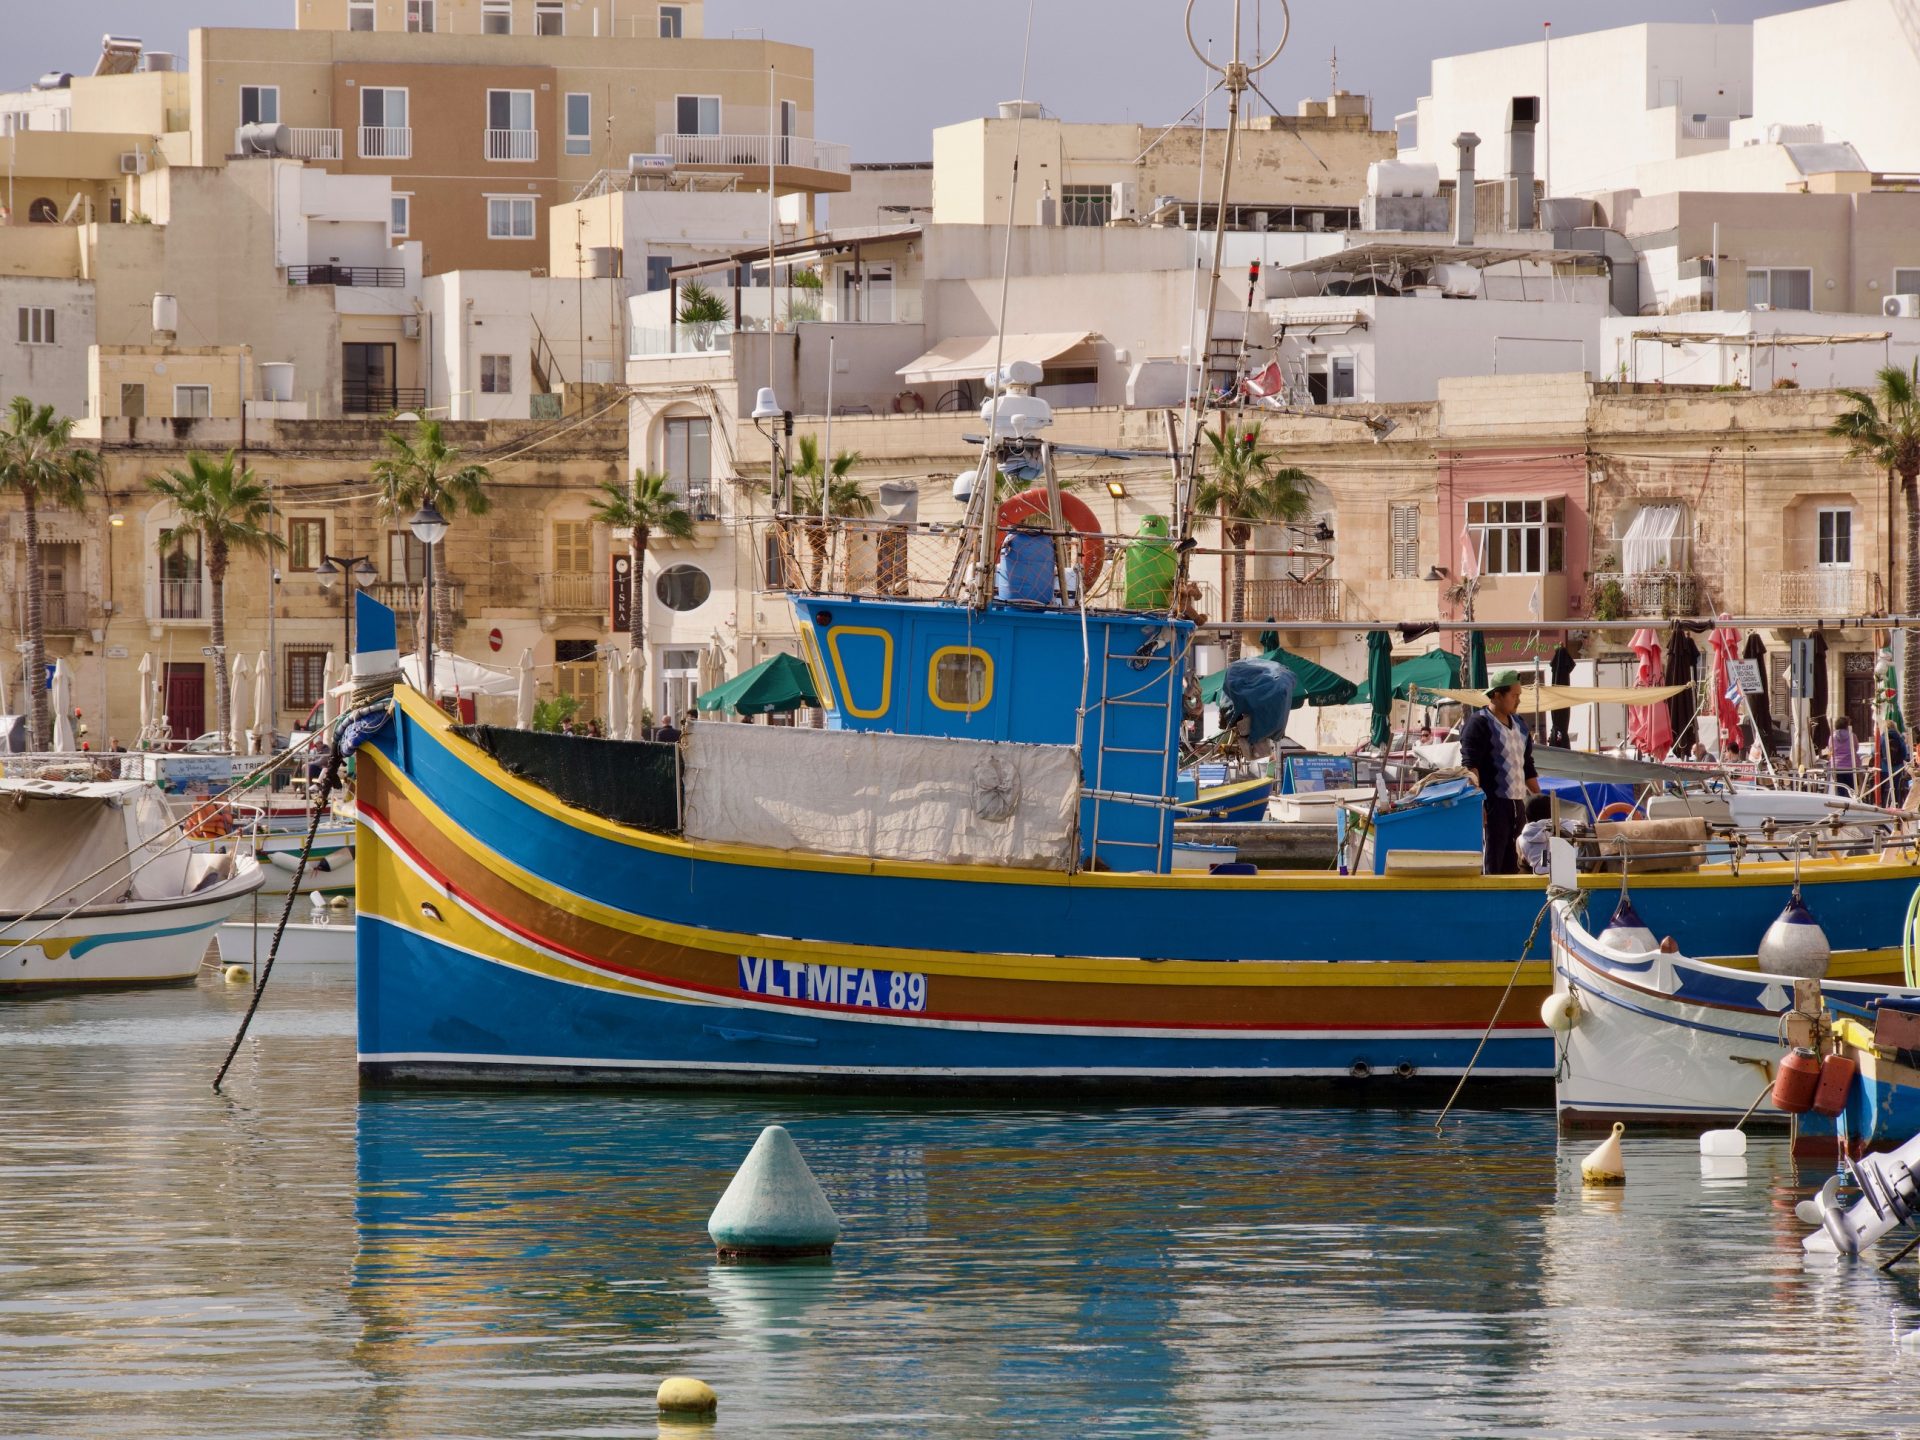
<point>1316,685</point>
<point>1477,660</point>
<point>774,685</point>
<point>1435,670</point>
<point>1380,685</point>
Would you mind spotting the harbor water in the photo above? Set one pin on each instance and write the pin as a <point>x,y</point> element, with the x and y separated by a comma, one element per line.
<point>297,1257</point>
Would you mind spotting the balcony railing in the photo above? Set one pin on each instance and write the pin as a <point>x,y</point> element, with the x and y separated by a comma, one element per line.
<point>513,144</point>
<point>306,143</point>
<point>386,142</point>
<point>752,151</point>
<point>180,600</point>
<point>403,597</point>
<point>380,399</point>
<point>60,610</point>
<point>1651,594</point>
<point>1291,602</point>
<point>1826,592</point>
<point>384,276</point>
<point>573,593</point>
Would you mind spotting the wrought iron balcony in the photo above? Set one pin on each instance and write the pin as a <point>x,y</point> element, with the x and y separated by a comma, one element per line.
<point>362,276</point>
<point>181,600</point>
<point>1827,592</point>
<point>1651,594</point>
<point>60,610</point>
<point>403,597</point>
<point>1291,602</point>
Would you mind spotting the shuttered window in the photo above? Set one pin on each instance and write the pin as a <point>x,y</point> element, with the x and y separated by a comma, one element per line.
<point>1404,538</point>
<point>572,546</point>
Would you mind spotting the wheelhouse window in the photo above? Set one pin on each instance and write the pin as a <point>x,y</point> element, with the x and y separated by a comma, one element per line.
<point>1519,537</point>
<point>962,678</point>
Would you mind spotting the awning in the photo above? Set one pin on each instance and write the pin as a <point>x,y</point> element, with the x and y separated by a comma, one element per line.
<point>1431,673</point>
<point>971,357</point>
<point>1317,685</point>
<point>1564,697</point>
<point>1608,769</point>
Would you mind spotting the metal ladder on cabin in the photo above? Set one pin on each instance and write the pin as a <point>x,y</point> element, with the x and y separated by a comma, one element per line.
<point>1158,665</point>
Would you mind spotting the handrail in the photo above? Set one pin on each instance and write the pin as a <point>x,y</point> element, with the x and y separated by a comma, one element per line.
<point>390,277</point>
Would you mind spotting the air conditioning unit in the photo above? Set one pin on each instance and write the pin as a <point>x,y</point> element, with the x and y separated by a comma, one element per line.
<point>1126,200</point>
<point>133,162</point>
<point>410,327</point>
<point>1901,307</point>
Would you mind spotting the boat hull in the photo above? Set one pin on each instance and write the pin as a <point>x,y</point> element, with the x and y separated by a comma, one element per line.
<point>148,943</point>
<point>502,933</point>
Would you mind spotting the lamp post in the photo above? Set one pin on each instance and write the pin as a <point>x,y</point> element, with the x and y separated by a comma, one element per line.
<point>779,490</point>
<point>360,572</point>
<point>429,527</point>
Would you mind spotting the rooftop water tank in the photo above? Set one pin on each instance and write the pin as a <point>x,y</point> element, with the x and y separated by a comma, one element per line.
<point>262,138</point>
<point>1021,109</point>
<point>602,262</point>
<point>166,315</point>
<point>1408,178</point>
<point>156,62</point>
<point>276,380</point>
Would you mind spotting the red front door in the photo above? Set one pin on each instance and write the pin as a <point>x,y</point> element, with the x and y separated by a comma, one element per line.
<point>187,701</point>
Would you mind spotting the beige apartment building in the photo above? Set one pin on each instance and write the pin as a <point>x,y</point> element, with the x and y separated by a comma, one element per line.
<point>486,115</point>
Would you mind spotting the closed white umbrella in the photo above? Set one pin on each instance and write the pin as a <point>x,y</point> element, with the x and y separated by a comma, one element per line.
<point>236,743</point>
<point>62,702</point>
<point>636,691</point>
<point>616,692</point>
<point>329,706</point>
<point>146,693</point>
<point>262,705</point>
<point>523,705</point>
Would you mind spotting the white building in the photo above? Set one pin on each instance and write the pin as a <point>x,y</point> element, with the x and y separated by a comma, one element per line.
<point>46,326</point>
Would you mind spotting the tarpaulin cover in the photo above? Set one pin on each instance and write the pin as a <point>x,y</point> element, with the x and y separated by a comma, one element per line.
<point>68,845</point>
<point>632,782</point>
<point>882,796</point>
<point>1313,684</point>
<point>1261,690</point>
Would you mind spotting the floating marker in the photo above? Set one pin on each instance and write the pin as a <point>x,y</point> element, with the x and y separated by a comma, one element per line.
<point>238,974</point>
<point>1723,1143</point>
<point>1560,1011</point>
<point>1605,1165</point>
<point>1795,944</point>
<point>774,1209</point>
<point>684,1395</point>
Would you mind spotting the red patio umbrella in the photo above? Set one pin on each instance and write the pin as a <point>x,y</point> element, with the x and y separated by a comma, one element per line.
<point>1649,726</point>
<point>1725,644</point>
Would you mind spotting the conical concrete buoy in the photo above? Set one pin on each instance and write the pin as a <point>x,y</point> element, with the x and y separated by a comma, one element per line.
<point>1605,1166</point>
<point>684,1395</point>
<point>774,1209</point>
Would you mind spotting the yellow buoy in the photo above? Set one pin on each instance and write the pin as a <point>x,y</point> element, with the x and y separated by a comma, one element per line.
<point>238,975</point>
<point>684,1395</point>
<point>1605,1165</point>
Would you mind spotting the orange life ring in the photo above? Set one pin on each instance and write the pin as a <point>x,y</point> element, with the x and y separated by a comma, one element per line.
<point>209,822</point>
<point>1618,810</point>
<point>1078,515</point>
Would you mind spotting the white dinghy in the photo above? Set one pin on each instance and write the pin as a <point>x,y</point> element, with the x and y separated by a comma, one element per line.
<point>99,887</point>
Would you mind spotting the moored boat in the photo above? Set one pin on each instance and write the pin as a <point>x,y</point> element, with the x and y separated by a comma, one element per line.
<point>98,886</point>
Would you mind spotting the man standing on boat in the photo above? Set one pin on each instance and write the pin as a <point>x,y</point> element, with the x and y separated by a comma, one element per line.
<point>1497,750</point>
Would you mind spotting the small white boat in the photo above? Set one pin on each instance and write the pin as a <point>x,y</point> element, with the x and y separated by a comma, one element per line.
<point>329,867</point>
<point>99,887</point>
<point>1655,1036</point>
<point>319,934</point>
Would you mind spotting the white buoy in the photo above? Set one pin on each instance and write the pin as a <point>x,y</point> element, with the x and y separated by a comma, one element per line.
<point>1626,932</point>
<point>238,974</point>
<point>684,1395</point>
<point>1795,944</point>
<point>774,1209</point>
<point>1606,1166</point>
<point>1724,1142</point>
<point>1560,1011</point>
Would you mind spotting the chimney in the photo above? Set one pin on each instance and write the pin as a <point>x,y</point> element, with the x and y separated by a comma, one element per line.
<point>1466,142</point>
<point>1523,114</point>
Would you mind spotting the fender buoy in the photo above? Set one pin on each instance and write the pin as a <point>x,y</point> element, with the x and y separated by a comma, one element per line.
<point>1078,515</point>
<point>1618,810</point>
<point>909,402</point>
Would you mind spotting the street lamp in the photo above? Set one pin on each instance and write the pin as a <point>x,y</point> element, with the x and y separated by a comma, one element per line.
<point>429,527</point>
<point>359,570</point>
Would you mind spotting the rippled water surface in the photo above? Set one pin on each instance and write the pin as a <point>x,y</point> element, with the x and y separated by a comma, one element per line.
<point>297,1258</point>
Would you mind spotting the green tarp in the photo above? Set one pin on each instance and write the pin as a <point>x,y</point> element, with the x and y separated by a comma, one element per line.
<point>1317,684</point>
<point>1435,670</point>
<point>1477,660</point>
<point>776,685</point>
<point>1380,686</point>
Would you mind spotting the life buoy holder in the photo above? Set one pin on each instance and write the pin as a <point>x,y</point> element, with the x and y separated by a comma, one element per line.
<point>209,822</point>
<point>1079,517</point>
<point>1618,810</point>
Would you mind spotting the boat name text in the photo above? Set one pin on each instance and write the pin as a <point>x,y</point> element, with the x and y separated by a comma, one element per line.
<point>834,984</point>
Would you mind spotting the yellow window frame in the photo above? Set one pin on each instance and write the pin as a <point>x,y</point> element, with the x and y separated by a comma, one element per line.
<point>886,669</point>
<point>986,687</point>
<point>810,657</point>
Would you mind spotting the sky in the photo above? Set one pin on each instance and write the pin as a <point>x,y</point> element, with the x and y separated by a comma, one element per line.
<point>884,80</point>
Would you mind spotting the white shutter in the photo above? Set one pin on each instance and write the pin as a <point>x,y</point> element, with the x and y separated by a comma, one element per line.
<point>1404,541</point>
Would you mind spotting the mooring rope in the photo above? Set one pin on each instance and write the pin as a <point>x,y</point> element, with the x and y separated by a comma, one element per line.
<point>1487,1034</point>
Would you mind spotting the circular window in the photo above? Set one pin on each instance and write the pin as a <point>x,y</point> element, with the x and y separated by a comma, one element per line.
<point>683,587</point>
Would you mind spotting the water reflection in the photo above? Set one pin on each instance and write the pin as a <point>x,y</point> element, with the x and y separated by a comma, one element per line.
<point>300,1258</point>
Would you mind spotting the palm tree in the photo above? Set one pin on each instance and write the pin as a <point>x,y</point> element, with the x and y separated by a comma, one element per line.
<point>1246,488</point>
<point>817,481</point>
<point>1884,426</point>
<point>424,467</point>
<point>650,504</point>
<point>40,464</point>
<point>224,505</point>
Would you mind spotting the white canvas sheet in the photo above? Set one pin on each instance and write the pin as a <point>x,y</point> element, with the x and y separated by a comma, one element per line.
<point>886,797</point>
<point>54,837</point>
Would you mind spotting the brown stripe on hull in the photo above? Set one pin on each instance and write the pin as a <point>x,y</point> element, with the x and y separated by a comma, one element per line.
<point>1439,1006</point>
